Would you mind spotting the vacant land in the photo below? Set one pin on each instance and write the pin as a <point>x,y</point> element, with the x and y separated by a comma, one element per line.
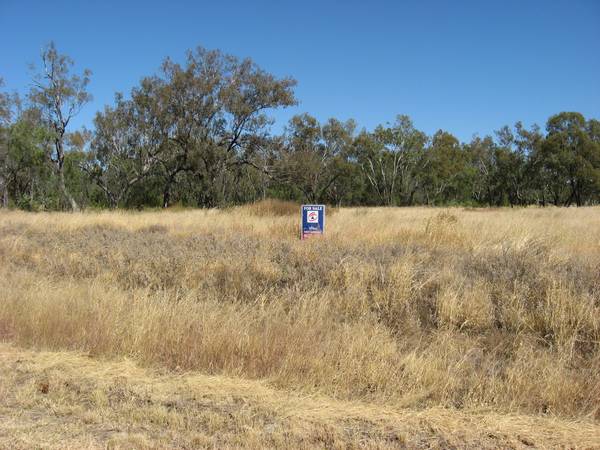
<point>401,328</point>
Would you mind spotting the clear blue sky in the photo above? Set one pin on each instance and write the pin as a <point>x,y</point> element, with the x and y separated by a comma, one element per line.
<point>463,66</point>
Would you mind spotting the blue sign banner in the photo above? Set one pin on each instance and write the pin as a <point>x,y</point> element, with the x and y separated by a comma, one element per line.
<point>313,220</point>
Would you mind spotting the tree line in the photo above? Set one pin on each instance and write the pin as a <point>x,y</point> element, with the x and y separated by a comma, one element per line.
<point>198,134</point>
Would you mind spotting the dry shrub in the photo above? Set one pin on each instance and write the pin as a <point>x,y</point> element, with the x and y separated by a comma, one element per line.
<point>542,381</point>
<point>465,307</point>
<point>569,319</point>
<point>272,208</point>
<point>444,229</point>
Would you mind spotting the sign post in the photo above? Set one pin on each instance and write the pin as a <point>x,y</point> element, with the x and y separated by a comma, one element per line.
<point>313,221</point>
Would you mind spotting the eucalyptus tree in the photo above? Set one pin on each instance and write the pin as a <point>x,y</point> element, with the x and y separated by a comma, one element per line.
<point>210,110</point>
<point>572,156</point>
<point>392,159</point>
<point>60,95</point>
<point>124,147</point>
<point>25,176</point>
<point>511,164</point>
<point>481,153</point>
<point>313,156</point>
<point>338,138</point>
<point>446,174</point>
<point>192,125</point>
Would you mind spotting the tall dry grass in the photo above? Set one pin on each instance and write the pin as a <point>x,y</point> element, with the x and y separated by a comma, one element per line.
<point>408,307</point>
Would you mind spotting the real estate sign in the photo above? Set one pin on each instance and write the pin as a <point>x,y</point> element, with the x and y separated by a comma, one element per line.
<point>313,220</point>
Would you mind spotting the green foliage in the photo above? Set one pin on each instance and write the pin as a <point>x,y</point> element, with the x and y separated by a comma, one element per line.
<point>27,176</point>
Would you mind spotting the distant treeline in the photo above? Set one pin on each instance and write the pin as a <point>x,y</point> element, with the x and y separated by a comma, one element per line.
<point>197,134</point>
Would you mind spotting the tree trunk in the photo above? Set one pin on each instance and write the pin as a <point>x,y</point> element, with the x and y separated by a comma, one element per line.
<point>544,197</point>
<point>577,193</point>
<point>112,202</point>
<point>167,192</point>
<point>60,156</point>
<point>65,193</point>
<point>166,196</point>
<point>556,197</point>
<point>4,188</point>
<point>411,197</point>
<point>568,202</point>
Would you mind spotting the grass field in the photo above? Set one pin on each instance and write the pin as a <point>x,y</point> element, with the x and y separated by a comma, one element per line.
<point>401,328</point>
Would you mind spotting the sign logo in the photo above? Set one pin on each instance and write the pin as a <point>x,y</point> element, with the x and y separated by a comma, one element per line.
<point>313,221</point>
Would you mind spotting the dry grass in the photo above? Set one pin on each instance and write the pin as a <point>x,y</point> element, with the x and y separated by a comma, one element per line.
<point>401,308</point>
<point>68,401</point>
<point>270,207</point>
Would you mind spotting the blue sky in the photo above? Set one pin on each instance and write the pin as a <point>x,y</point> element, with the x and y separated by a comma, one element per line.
<point>463,66</point>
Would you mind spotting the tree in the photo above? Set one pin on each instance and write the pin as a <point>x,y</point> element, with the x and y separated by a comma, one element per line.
<point>60,96</point>
<point>533,179</point>
<point>338,138</point>
<point>312,155</point>
<point>446,170</point>
<point>510,158</point>
<point>193,124</point>
<point>123,150</point>
<point>482,154</point>
<point>211,110</point>
<point>25,172</point>
<point>10,113</point>
<point>570,154</point>
<point>390,159</point>
<point>78,182</point>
